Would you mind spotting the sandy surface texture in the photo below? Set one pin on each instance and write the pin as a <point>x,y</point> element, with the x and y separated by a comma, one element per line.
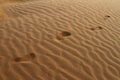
<point>60,40</point>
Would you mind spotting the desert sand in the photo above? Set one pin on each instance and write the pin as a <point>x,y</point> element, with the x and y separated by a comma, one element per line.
<point>60,40</point>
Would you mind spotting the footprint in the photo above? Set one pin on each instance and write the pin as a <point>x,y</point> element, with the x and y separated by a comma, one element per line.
<point>92,29</point>
<point>18,59</point>
<point>106,17</point>
<point>32,55</point>
<point>25,58</point>
<point>65,33</point>
<point>99,27</point>
<point>62,35</point>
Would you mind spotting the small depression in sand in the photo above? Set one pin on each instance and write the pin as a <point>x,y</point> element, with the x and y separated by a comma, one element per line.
<point>62,35</point>
<point>25,58</point>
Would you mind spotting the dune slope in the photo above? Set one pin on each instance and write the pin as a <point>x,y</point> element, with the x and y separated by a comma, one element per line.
<point>60,40</point>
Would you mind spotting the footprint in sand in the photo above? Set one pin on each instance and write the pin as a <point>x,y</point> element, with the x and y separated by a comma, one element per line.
<point>27,57</point>
<point>62,35</point>
<point>106,17</point>
<point>92,29</point>
<point>96,28</point>
<point>65,33</point>
<point>99,27</point>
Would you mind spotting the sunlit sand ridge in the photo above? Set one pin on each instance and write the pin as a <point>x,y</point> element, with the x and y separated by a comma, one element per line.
<point>60,40</point>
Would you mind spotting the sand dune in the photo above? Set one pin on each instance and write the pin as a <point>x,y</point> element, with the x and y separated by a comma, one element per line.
<point>60,40</point>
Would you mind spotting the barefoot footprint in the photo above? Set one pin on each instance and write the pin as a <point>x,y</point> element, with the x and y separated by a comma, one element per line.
<point>65,33</point>
<point>99,27</point>
<point>25,58</point>
<point>106,17</point>
<point>62,35</point>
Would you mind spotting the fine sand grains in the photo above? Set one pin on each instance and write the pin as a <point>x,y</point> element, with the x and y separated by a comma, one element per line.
<point>60,40</point>
<point>3,16</point>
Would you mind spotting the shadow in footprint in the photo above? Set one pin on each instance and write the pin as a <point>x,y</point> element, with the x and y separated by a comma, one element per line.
<point>32,55</point>
<point>106,17</point>
<point>92,29</point>
<point>25,58</point>
<point>18,59</point>
<point>99,27</point>
<point>65,33</point>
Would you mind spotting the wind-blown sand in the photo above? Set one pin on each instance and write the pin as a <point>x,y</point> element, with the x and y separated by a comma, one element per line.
<point>60,40</point>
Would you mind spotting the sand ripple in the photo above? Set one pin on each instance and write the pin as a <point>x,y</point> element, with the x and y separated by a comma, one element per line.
<point>69,39</point>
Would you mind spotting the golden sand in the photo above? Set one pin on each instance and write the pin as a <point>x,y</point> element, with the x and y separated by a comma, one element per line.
<point>60,40</point>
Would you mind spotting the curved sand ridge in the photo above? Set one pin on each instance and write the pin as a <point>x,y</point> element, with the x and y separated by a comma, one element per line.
<point>60,40</point>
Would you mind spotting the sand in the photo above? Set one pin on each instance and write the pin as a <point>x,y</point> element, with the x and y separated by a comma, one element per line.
<point>60,40</point>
